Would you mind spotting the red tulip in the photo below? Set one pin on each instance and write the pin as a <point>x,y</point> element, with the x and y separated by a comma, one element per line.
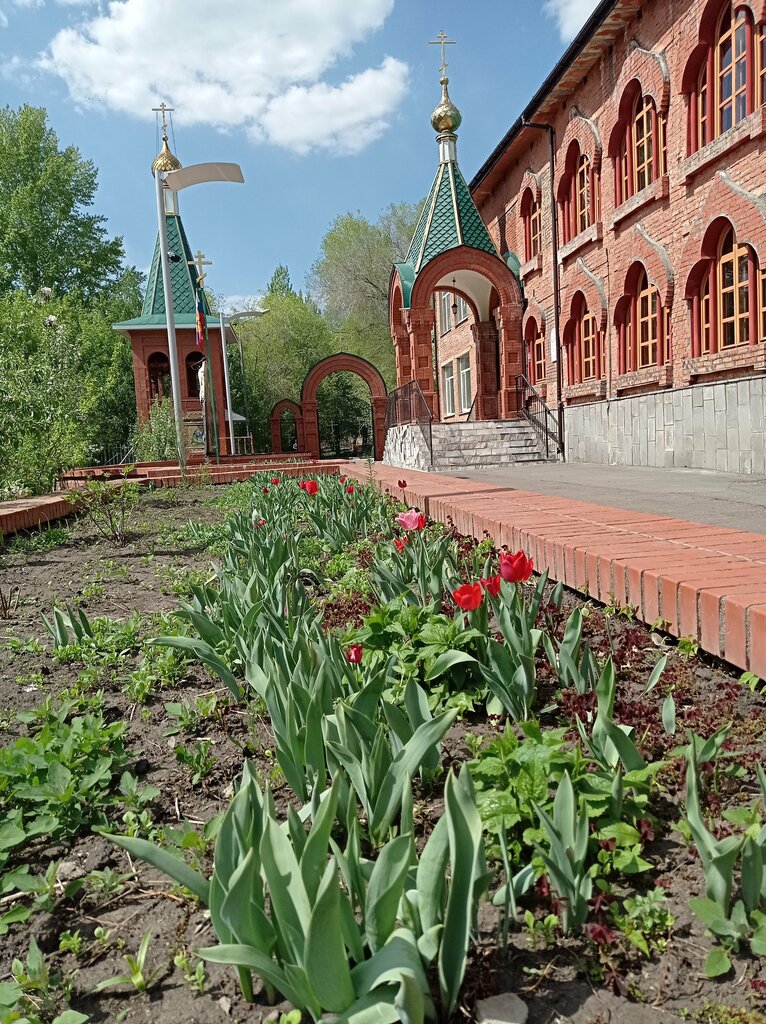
<point>259,522</point>
<point>350,489</point>
<point>402,484</point>
<point>341,479</point>
<point>515,568</point>
<point>265,490</point>
<point>311,487</point>
<point>274,481</point>
<point>399,544</point>
<point>302,485</point>
<point>412,520</point>
<point>468,597</point>
<point>354,653</point>
<point>492,585</point>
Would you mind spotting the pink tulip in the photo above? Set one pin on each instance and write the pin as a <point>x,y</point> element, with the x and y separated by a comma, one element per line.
<point>412,519</point>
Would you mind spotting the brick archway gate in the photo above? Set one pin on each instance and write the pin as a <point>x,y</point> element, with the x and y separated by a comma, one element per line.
<point>343,362</point>
<point>275,424</point>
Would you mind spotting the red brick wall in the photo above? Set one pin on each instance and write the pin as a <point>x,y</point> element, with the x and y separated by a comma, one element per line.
<point>673,213</point>
<point>146,342</point>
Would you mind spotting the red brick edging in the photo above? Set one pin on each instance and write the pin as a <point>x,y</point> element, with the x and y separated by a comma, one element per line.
<point>707,582</point>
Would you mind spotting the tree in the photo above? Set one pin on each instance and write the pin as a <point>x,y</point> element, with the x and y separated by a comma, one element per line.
<point>47,237</point>
<point>280,284</point>
<point>351,277</point>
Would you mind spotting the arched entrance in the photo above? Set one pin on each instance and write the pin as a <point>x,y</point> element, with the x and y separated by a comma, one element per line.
<point>494,300</point>
<point>343,362</point>
<point>275,423</point>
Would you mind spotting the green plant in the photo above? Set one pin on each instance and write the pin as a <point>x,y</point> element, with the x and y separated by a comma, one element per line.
<point>71,942</point>
<point>34,994</point>
<point>9,602</point>
<point>566,855</point>
<point>109,507</point>
<point>154,439</point>
<point>688,647</point>
<point>106,883</point>
<point>194,977</point>
<point>542,930</point>
<point>644,920</point>
<point>751,680</point>
<point>340,935</point>
<point>40,540</point>
<point>134,797</point>
<point>138,978</point>
<point>198,760</point>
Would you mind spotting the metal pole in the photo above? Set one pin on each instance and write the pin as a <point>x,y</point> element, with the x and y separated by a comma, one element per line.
<point>556,286</point>
<point>244,382</point>
<point>212,396</point>
<point>228,389</point>
<point>167,288</point>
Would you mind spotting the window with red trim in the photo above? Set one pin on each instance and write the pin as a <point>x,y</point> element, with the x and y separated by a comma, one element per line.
<point>579,194</point>
<point>729,302</point>
<point>728,78</point>
<point>531,215</point>
<point>585,344</point>
<point>643,328</point>
<point>535,339</point>
<point>641,154</point>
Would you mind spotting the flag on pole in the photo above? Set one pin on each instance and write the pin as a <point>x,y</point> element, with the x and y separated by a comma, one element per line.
<point>200,322</point>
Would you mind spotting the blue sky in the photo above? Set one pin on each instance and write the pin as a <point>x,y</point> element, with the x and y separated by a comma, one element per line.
<point>324,103</point>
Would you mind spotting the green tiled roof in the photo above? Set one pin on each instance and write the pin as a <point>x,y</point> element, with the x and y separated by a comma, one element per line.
<point>184,300</point>
<point>448,219</point>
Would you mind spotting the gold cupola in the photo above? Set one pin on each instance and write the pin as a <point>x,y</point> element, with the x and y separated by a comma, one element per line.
<point>165,160</point>
<point>446,118</point>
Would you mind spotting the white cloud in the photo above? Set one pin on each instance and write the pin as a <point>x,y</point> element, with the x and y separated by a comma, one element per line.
<point>28,3</point>
<point>258,66</point>
<point>3,19</point>
<point>570,15</point>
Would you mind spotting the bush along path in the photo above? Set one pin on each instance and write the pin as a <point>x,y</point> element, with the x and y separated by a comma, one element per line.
<point>436,776</point>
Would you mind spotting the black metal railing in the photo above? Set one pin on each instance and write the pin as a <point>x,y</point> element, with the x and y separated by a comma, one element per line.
<point>532,407</point>
<point>408,405</point>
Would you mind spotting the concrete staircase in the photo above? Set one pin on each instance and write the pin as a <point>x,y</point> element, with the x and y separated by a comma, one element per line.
<point>484,443</point>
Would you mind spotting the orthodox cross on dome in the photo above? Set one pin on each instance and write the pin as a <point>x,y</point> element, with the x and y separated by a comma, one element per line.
<point>163,109</point>
<point>442,40</point>
<point>199,262</point>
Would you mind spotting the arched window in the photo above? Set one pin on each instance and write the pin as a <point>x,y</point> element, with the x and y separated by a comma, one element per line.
<point>641,153</point>
<point>531,215</point>
<point>193,363</point>
<point>579,199</point>
<point>158,366</point>
<point>728,301</point>
<point>643,326</point>
<point>726,78</point>
<point>534,337</point>
<point>585,344</point>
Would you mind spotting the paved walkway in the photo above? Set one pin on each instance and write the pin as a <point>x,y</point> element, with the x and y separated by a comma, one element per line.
<point>720,499</point>
<point>708,582</point>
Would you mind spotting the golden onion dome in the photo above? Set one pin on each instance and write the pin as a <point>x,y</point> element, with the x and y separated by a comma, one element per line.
<point>165,159</point>
<point>446,117</point>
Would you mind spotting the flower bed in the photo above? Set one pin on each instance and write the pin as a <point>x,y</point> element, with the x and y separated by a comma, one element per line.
<point>450,779</point>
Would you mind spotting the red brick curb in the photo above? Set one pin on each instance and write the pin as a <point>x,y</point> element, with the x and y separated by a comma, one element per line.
<point>707,582</point>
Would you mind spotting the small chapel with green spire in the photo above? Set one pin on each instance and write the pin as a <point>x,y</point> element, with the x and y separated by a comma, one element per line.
<point>148,332</point>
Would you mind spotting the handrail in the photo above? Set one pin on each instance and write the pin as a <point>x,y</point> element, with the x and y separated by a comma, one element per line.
<point>532,407</point>
<point>408,404</point>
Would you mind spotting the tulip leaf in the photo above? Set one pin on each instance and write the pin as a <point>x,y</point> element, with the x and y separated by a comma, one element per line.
<point>384,890</point>
<point>325,957</point>
<point>447,661</point>
<point>247,956</point>
<point>172,866</point>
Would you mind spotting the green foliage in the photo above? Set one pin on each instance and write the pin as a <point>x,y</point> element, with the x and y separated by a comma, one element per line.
<point>155,439</point>
<point>45,539</point>
<point>46,236</point>
<point>138,977</point>
<point>35,993</point>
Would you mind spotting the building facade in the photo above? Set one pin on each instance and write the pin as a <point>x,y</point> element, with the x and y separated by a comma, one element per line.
<point>656,182</point>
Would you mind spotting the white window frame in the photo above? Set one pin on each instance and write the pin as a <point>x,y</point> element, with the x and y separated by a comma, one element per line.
<point>445,313</point>
<point>448,388</point>
<point>464,382</point>
<point>462,310</point>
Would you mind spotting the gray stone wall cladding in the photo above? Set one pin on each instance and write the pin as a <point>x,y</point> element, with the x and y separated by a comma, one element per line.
<point>718,426</point>
<point>407,446</point>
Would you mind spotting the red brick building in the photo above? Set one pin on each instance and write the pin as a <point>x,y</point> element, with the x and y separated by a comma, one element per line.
<point>657,114</point>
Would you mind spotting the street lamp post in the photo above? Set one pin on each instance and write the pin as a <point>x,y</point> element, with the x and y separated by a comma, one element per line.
<point>248,314</point>
<point>195,174</point>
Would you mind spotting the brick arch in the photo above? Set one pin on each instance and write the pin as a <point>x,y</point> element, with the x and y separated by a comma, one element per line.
<point>501,330</point>
<point>275,424</point>
<point>534,311</point>
<point>650,256</point>
<point>585,133</point>
<point>530,183</point>
<point>650,70</point>
<point>592,289</point>
<point>343,362</point>
<point>745,211</point>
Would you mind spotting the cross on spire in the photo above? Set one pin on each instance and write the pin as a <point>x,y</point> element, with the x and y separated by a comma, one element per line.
<point>442,40</point>
<point>199,262</point>
<point>164,109</point>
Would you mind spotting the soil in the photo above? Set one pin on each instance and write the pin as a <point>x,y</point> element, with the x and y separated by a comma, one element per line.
<point>115,582</point>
